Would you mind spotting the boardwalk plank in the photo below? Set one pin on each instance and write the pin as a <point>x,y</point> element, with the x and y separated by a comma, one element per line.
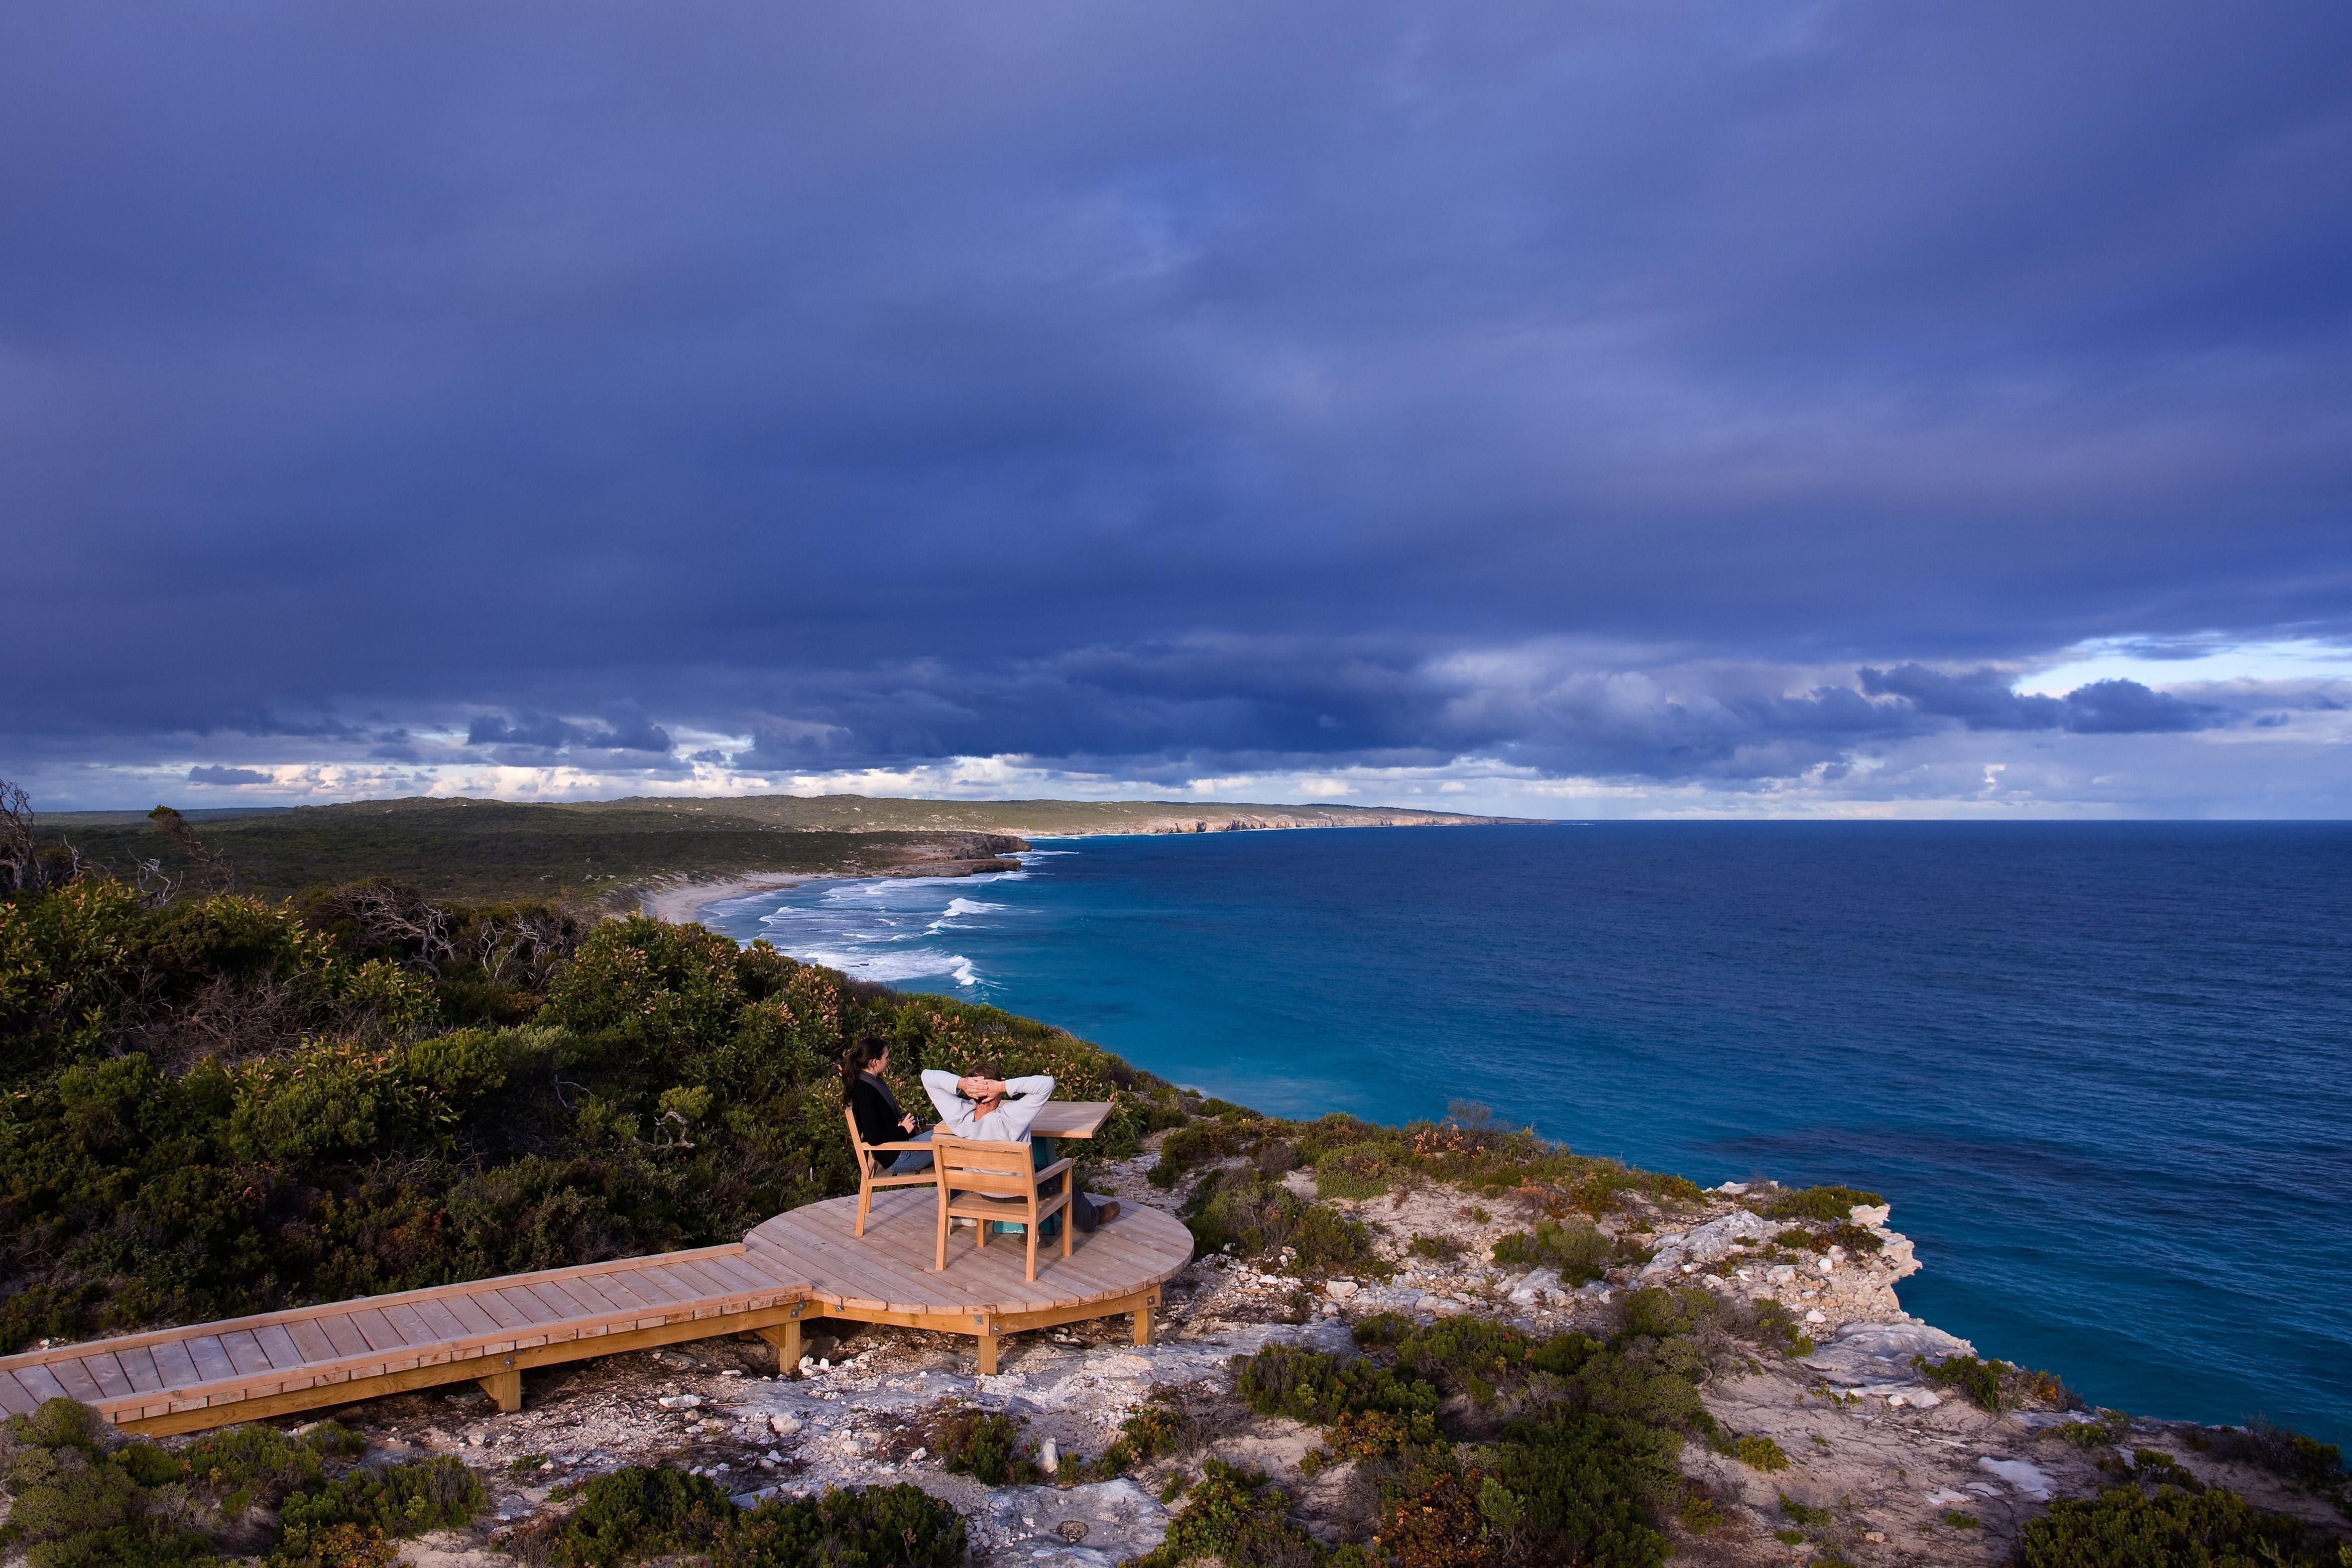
<point>41,1382</point>
<point>15,1398</point>
<point>414,1330</point>
<point>381,1336</point>
<point>245,1353</point>
<point>213,1363</point>
<point>76,1379</point>
<point>277,1342</point>
<point>139,1363</point>
<point>470,1312</point>
<point>178,1367</point>
<point>343,1335</point>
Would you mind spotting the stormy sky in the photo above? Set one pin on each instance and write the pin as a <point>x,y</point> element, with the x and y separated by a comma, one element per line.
<point>1563,409</point>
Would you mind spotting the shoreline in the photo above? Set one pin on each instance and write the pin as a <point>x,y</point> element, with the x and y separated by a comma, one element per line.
<point>682,903</point>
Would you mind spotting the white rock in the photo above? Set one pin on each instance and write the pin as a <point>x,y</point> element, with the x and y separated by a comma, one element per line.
<point>1708,1243</point>
<point>1341,1289</point>
<point>1870,1214</point>
<point>1734,1188</point>
<point>680,1402</point>
<point>1782,1274</point>
<point>783,1426</point>
<point>1050,1459</point>
<point>2028,1480</point>
<point>1817,1316</point>
<point>1945,1495</point>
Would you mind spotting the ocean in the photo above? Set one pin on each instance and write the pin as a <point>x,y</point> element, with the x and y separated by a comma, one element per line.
<point>2104,1073</point>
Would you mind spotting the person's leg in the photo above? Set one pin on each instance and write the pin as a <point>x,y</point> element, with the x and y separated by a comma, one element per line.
<point>910,1161</point>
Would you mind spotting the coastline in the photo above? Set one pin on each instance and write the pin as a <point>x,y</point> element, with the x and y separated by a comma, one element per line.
<point>681,903</point>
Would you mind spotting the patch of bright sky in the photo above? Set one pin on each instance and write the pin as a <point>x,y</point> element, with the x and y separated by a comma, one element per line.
<point>2175,661</point>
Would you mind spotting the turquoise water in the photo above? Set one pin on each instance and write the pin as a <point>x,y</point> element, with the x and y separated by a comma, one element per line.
<point>2103,1071</point>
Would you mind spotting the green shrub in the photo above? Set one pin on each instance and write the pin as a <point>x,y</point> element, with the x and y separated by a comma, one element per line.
<point>242,1465</point>
<point>900,1526</point>
<point>74,1505</point>
<point>1441,1248</point>
<point>1979,1380</point>
<point>2288,1455</point>
<point>1959,1521</point>
<point>1797,1513</point>
<point>1760,1454</point>
<point>1778,1328</point>
<point>2109,1429</point>
<point>1255,1216</point>
<point>404,1499</point>
<point>1581,1253</point>
<point>2124,1527</point>
<point>984,1446</point>
<point>1828,1204</point>
<point>1238,1517</point>
<point>1318,1389</point>
<point>637,1513</point>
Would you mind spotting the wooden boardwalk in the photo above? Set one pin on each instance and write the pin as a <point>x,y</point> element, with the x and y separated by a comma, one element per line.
<point>885,1275</point>
<point>796,1266</point>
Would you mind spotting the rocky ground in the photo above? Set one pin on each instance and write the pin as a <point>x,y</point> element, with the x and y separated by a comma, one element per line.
<point>1899,1472</point>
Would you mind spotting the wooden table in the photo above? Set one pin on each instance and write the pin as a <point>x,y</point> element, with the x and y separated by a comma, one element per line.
<point>1070,1118</point>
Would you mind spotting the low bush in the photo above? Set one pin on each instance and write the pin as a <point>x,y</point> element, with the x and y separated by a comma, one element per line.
<point>1760,1454</point>
<point>2124,1527</point>
<point>1580,1252</point>
<point>2108,1430</point>
<point>1243,1211</point>
<point>1828,1204</point>
<point>75,1501</point>
<point>1243,1520</point>
<point>986,1445</point>
<point>641,1514</point>
<point>1798,1513</point>
<point>1979,1380</point>
<point>2288,1455</point>
<point>404,1499</point>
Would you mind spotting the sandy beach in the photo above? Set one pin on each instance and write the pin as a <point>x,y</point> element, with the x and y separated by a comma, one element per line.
<point>681,903</point>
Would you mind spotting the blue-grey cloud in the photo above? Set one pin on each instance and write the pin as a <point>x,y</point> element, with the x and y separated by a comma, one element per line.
<point>1983,699</point>
<point>218,775</point>
<point>884,384</point>
<point>539,731</point>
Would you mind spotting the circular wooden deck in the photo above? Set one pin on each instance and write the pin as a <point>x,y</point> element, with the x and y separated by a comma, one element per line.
<point>888,1269</point>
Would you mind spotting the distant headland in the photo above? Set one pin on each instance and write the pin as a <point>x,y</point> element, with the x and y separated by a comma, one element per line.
<point>654,849</point>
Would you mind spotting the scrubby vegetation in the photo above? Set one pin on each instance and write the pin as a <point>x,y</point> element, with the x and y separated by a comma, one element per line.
<point>221,1106</point>
<point>2124,1527</point>
<point>1490,1446</point>
<point>641,1514</point>
<point>82,1496</point>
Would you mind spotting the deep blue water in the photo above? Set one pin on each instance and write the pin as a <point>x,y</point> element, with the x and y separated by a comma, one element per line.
<point>2104,1073</point>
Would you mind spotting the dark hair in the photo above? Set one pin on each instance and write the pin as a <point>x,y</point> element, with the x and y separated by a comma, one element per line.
<point>858,1057</point>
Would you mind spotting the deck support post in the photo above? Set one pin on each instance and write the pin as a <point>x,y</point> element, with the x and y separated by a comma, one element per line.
<point>786,1338</point>
<point>988,1350</point>
<point>505,1387</point>
<point>1143,1322</point>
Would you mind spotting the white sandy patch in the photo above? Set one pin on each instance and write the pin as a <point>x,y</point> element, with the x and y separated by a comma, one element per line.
<point>682,902</point>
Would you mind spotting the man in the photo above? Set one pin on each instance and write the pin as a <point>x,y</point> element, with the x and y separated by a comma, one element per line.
<point>982,1105</point>
<point>987,1105</point>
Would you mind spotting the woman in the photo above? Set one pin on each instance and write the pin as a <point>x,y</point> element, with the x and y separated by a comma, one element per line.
<point>875,1109</point>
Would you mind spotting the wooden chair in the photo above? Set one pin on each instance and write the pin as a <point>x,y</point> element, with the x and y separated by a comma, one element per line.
<point>986,1181</point>
<point>874,1173</point>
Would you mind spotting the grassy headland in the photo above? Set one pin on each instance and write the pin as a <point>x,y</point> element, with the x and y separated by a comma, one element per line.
<point>601,852</point>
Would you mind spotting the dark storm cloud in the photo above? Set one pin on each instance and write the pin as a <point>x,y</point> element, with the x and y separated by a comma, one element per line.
<point>1166,387</point>
<point>1981,699</point>
<point>226,776</point>
<point>539,731</point>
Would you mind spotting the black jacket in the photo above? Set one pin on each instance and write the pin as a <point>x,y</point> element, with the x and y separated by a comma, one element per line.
<point>877,1111</point>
